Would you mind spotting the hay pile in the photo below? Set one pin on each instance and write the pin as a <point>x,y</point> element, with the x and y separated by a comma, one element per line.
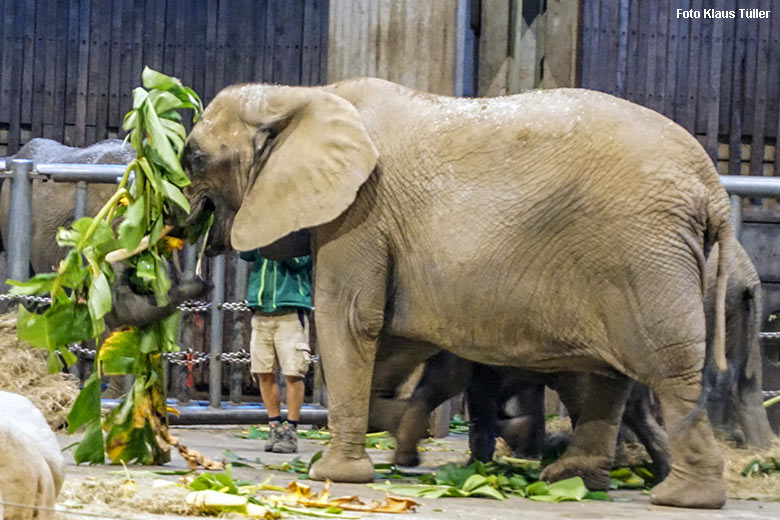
<point>24,372</point>
<point>761,487</point>
<point>114,495</point>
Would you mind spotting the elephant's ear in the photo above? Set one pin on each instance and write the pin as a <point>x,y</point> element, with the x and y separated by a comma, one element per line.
<point>320,155</point>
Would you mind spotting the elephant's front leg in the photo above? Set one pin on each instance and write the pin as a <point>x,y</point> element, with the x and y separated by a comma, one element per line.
<point>592,449</point>
<point>349,304</point>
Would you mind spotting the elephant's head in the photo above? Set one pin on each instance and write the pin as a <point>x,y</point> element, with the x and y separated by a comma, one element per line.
<point>273,162</point>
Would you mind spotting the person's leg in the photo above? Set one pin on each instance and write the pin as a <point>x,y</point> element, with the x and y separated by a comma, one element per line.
<point>269,390</point>
<point>292,349</point>
<point>262,366</point>
<point>295,390</point>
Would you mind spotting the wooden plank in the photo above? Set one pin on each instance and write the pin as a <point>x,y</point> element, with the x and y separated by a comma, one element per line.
<point>3,45</point>
<point>622,48</point>
<point>773,96</point>
<point>727,67</point>
<point>195,59</point>
<point>612,46</point>
<point>28,62</point>
<point>246,60</point>
<point>632,76</point>
<point>761,104</point>
<point>324,22</point>
<point>80,122</point>
<point>688,119</point>
<point>219,55</point>
<point>670,81</point>
<point>288,35</point>
<point>38,60</point>
<point>132,16</point>
<point>183,37</point>
<point>422,56</point>
<point>650,98</point>
<point>61,70</point>
<point>383,34</point>
<point>393,53</point>
<point>590,38</point>
<point>50,20</point>
<point>737,93</point>
<point>645,30</point>
<point>310,57</point>
<point>751,74</point>
<point>681,75</point>
<point>448,13</point>
<point>212,16</point>
<point>713,98</point>
<point>335,41</point>
<point>102,92</point>
<point>118,27</point>
<point>12,78</point>
<point>661,44</point>
<point>372,32</point>
<point>260,19</point>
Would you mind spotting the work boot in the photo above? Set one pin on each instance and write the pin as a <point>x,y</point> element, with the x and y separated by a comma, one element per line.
<point>287,439</point>
<point>273,435</point>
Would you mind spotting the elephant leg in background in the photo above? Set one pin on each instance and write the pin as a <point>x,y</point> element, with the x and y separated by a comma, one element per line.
<point>482,399</point>
<point>592,449</point>
<point>445,376</point>
<point>349,318</point>
<point>696,477</point>
<point>524,433</point>
<point>640,418</point>
<point>396,359</point>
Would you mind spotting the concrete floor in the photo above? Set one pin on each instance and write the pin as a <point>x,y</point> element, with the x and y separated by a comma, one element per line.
<point>629,504</point>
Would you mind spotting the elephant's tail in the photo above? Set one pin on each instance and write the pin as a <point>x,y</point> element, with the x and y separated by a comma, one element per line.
<point>720,231</point>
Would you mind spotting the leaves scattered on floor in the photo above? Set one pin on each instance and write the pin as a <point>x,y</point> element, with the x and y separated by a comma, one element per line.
<point>298,494</point>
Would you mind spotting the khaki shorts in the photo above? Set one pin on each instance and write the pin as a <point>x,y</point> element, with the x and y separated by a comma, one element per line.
<point>282,337</point>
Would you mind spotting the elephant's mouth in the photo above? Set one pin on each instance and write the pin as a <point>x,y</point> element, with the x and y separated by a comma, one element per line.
<point>197,224</point>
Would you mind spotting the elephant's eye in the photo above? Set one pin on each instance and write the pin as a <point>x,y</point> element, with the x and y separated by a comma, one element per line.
<point>261,142</point>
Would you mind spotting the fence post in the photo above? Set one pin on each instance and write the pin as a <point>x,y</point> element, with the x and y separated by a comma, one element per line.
<point>215,339</point>
<point>80,207</point>
<point>236,377</point>
<point>736,214</point>
<point>20,220</point>
<point>179,373</point>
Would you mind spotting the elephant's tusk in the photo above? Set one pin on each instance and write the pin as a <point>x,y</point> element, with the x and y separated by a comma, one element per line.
<point>123,254</point>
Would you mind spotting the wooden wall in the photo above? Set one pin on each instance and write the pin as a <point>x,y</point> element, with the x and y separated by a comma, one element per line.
<point>411,42</point>
<point>719,78</point>
<point>68,67</point>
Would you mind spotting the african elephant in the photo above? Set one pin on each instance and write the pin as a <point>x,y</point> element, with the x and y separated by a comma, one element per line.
<point>553,230</point>
<point>734,402</point>
<point>53,204</point>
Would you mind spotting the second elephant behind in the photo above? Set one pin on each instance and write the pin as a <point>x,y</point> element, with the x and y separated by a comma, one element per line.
<point>734,403</point>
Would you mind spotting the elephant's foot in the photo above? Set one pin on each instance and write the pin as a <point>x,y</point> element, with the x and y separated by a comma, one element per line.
<point>694,491</point>
<point>339,468</point>
<point>406,458</point>
<point>594,471</point>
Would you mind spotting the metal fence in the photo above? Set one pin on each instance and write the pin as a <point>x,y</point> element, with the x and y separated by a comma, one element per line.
<point>23,171</point>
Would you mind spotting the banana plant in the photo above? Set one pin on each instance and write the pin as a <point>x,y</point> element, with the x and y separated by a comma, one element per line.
<point>130,227</point>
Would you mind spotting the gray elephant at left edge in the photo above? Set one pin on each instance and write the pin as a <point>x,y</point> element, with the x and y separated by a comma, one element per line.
<point>553,230</point>
<point>53,204</point>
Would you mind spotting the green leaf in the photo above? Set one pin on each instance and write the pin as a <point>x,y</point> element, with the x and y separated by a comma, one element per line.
<point>139,96</point>
<point>175,195</point>
<point>488,491</point>
<point>119,352</point>
<point>99,301</point>
<point>161,283</point>
<point>59,326</point>
<point>38,284</point>
<point>168,327</point>
<point>161,150</point>
<point>163,101</point>
<point>86,407</point>
<point>91,448</point>
<point>133,227</point>
<point>569,489</point>
<point>473,482</point>
<point>536,489</point>
<point>145,268</point>
<point>598,495</point>
<point>53,362</point>
<point>156,80</point>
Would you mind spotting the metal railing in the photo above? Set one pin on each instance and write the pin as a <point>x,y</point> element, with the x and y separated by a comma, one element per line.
<point>23,171</point>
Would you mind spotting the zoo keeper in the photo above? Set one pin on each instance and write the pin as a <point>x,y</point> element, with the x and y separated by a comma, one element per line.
<point>279,295</point>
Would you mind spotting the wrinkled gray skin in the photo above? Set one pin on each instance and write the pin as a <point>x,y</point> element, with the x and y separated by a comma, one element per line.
<point>552,231</point>
<point>53,203</point>
<point>734,401</point>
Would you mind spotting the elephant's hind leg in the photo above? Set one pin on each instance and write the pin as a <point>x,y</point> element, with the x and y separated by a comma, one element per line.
<point>592,449</point>
<point>696,477</point>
